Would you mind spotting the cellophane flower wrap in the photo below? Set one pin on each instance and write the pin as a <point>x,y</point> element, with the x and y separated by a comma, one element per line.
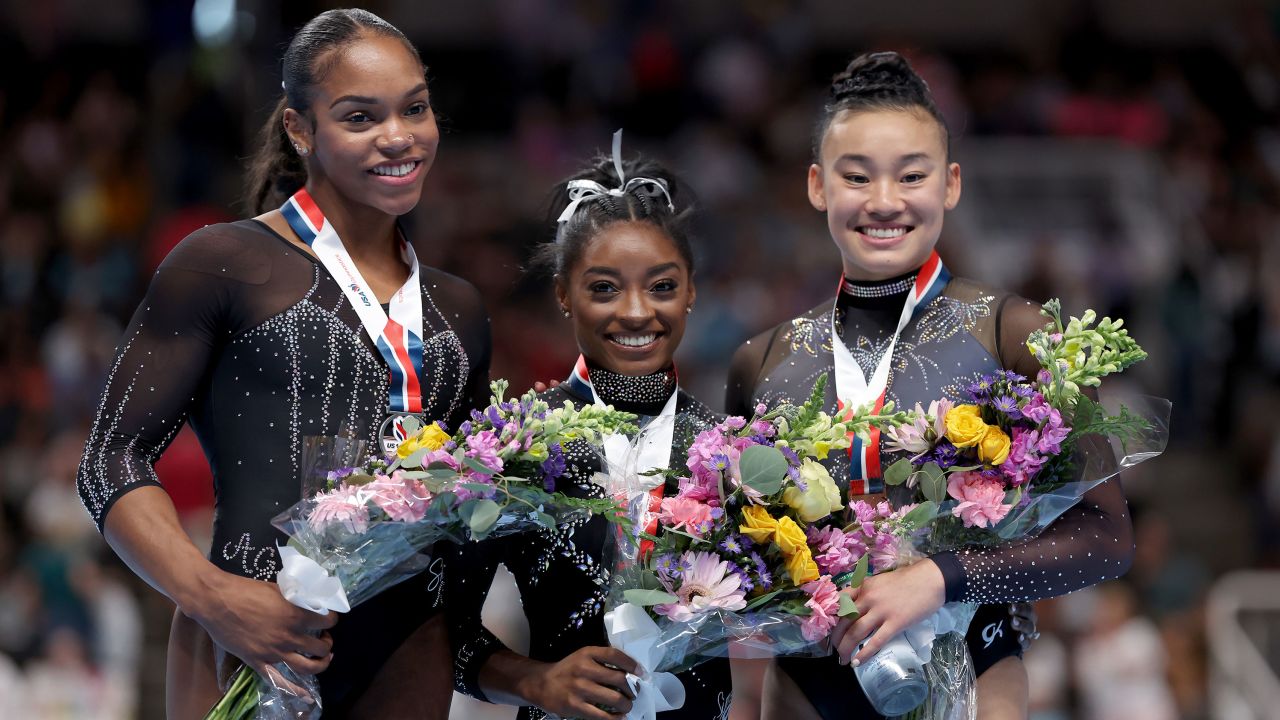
<point>1008,459</point>
<point>370,517</point>
<point>738,557</point>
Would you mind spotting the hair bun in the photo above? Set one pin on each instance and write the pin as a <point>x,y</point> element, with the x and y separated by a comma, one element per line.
<point>876,75</point>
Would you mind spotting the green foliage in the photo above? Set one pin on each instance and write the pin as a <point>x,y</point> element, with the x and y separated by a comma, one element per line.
<point>763,469</point>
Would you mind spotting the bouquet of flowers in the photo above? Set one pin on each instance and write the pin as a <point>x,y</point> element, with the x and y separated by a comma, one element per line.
<point>745,547</point>
<point>1003,466</point>
<point>365,530</point>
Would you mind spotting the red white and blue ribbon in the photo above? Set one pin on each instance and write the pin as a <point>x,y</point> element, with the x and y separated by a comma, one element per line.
<point>854,391</point>
<point>651,452</point>
<point>397,335</point>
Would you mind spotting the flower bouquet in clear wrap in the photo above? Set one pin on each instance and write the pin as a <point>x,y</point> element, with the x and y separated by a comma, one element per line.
<point>731,559</point>
<point>1000,468</point>
<point>365,520</point>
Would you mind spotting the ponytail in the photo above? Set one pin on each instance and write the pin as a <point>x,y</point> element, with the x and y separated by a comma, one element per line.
<point>275,171</point>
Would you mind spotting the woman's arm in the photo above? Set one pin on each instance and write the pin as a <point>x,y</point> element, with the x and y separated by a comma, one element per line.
<point>155,377</point>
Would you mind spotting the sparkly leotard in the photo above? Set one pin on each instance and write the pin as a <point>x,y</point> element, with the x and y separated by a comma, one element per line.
<point>249,338</point>
<point>966,331</point>
<point>562,579</point>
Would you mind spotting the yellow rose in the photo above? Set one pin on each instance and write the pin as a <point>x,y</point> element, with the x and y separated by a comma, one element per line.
<point>820,497</point>
<point>759,524</point>
<point>430,437</point>
<point>994,447</point>
<point>965,427</point>
<point>801,567</point>
<point>790,538</point>
<point>433,436</point>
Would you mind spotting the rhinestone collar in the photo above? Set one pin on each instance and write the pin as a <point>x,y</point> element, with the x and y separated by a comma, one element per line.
<point>880,288</point>
<point>614,388</point>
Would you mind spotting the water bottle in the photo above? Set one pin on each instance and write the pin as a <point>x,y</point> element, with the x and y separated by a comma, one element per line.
<point>894,678</point>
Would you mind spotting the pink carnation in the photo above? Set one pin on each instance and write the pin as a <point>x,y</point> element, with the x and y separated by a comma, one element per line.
<point>834,550</point>
<point>401,499</point>
<point>484,447</point>
<point>346,506</point>
<point>981,499</point>
<point>824,602</point>
<point>884,554</point>
<point>683,512</point>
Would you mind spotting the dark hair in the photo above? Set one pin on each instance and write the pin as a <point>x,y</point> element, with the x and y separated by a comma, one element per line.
<point>276,171</point>
<point>643,203</point>
<point>876,81</point>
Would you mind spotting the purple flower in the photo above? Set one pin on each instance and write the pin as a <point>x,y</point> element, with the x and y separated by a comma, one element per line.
<point>553,467</point>
<point>944,454</point>
<point>1008,405</point>
<point>1013,377</point>
<point>483,447</point>
<point>1044,377</point>
<point>732,544</point>
<point>761,408</point>
<point>668,566</point>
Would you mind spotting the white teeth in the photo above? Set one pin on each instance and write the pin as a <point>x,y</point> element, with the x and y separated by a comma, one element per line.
<point>884,233</point>
<point>634,340</point>
<point>394,170</point>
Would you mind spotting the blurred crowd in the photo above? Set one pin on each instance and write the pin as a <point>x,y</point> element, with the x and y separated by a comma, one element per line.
<point>122,129</point>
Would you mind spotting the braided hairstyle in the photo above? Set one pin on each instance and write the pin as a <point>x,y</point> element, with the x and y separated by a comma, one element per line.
<point>643,203</point>
<point>876,81</point>
<point>276,171</point>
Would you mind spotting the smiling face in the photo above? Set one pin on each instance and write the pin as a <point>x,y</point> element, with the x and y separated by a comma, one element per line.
<point>885,184</point>
<point>374,135</point>
<point>629,294</point>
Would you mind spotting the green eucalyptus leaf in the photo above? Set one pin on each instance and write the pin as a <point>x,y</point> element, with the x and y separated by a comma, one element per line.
<point>645,598</point>
<point>847,607</point>
<point>763,469</point>
<point>934,487</point>
<point>358,479</point>
<point>897,473</point>
<point>546,521</point>
<point>411,425</point>
<point>921,515</point>
<point>415,458</point>
<point>478,466</point>
<point>859,572</point>
<point>480,516</point>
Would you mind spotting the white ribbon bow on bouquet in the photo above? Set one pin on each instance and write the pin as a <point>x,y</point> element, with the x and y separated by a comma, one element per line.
<point>304,583</point>
<point>631,630</point>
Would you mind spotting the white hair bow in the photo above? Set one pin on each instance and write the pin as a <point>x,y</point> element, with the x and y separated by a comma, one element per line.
<point>581,191</point>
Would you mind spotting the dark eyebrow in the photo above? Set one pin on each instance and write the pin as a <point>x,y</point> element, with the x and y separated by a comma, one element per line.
<point>613,272</point>
<point>904,160</point>
<point>365,100</point>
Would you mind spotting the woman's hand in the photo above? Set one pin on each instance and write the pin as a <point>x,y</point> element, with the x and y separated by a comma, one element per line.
<point>590,677</point>
<point>888,604</point>
<point>251,620</point>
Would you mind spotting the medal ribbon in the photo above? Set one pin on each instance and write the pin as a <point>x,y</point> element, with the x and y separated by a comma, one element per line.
<point>852,388</point>
<point>654,449</point>
<point>397,337</point>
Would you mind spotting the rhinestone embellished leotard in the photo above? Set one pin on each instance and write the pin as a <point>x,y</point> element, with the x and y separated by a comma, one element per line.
<point>252,341</point>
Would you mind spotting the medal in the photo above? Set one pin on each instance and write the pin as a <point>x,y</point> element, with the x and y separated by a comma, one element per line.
<point>394,431</point>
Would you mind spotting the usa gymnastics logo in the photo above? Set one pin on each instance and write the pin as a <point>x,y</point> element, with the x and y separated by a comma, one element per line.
<point>360,292</point>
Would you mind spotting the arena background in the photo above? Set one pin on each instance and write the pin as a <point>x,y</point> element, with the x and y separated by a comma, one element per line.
<point>1123,156</point>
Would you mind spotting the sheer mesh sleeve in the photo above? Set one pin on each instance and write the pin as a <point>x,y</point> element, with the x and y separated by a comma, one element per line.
<point>1089,543</point>
<point>165,353</point>
<point>744,371</point>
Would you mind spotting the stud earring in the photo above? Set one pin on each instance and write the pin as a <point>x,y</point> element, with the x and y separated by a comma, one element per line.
<point>567,313</point>
<point>688,310</point>
<point>411,138</point>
